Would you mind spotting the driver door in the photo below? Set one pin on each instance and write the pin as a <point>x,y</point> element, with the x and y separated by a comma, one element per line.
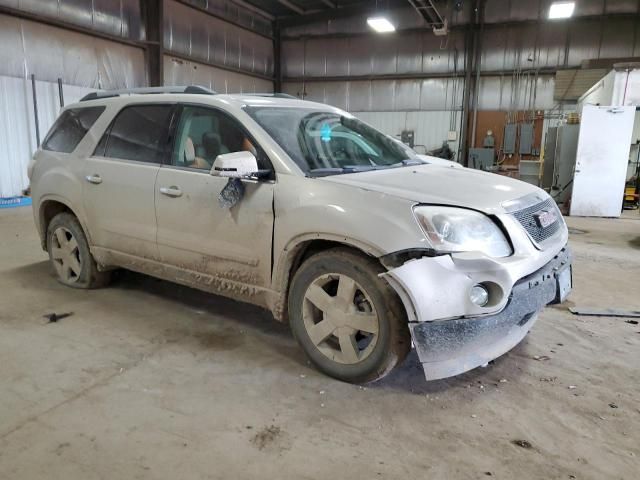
<point>222,248</point>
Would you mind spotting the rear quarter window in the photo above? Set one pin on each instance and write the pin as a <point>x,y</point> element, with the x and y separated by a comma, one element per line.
<point>70,128</point>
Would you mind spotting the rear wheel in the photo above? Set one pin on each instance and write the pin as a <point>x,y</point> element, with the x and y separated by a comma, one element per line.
<point>348,320</point>
<point>70,256</point>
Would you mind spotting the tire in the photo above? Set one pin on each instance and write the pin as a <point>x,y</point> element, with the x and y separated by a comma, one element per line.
<point>70,256</point>
<point>349,321</point>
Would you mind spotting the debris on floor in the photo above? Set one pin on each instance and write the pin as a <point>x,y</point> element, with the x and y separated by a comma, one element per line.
<point>606,312</point>
<point>266,436</point>
<point>522,444</point>
<point>613,405</point>
<point>54,317</point>
<point>541,358</point>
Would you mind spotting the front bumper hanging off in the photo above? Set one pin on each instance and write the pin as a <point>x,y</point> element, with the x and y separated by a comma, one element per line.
<point>453,346</point>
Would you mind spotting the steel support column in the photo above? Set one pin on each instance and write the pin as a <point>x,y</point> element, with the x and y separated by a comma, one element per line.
<point>277,57</point>
<point>471,45</point>
<point>477,66</point>
<point>153,15</point>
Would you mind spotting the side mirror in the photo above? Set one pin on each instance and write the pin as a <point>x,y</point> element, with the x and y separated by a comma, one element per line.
<point>235,165</point>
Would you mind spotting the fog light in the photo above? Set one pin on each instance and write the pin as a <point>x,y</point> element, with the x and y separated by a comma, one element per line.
<point>479,295</point>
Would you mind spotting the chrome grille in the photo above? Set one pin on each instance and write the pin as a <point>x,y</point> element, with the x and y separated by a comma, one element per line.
<point>527,219</point>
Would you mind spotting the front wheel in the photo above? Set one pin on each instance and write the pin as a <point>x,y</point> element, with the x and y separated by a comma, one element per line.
<point>348,320</point>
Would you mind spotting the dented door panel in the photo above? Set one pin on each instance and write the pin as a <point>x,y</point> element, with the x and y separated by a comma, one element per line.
<point>227,249</point>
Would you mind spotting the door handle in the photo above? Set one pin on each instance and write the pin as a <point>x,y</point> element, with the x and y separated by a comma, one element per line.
<point>171,191</point>
<point>95,179</point>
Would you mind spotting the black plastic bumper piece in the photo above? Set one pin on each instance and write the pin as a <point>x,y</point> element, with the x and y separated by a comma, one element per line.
<point>450,347</point>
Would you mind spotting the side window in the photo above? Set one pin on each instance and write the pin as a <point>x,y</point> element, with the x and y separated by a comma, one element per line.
<point>137,133</point>
<point>204,133</point>
<point>70,128</point>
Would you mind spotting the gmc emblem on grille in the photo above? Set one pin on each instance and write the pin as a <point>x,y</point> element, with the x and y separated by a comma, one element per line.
<point>545,218</point>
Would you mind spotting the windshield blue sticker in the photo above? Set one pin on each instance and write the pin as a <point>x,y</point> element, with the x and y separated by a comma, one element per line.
<point>325,132</point>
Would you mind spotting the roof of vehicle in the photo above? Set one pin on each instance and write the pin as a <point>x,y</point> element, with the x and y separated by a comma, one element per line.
<point>194,93</point>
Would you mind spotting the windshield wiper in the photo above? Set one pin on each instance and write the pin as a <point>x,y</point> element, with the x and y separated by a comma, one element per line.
<point>323,172</point>
<point>409,162</point>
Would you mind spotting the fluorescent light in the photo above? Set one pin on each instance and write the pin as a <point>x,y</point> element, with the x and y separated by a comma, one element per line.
<point>381,24</point>
<point>561,9</point>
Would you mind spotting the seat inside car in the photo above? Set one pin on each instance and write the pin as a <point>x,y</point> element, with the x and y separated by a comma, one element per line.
<point>212,146</point>
<point>189,156</point>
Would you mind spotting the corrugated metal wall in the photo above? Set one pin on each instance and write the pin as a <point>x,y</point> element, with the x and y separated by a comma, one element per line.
<point>351,51</point>
<point>203,38</point>
<point>366,55</point>
<point>120,18</point>
<point>85,62</point>
<point>383,95</point>
<point>235,13</point>
<point>178,71</point>
<point>17,126</point>
<point>495,93</point>
<point>340,61</point>
<point>545,47</point>
<point>51,53</point>
<point>430,127</point>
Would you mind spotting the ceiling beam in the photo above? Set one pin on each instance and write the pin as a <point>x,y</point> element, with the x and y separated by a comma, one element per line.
<point>254,9</point>
<point>291,6</point>
<point>329,3</point>
<point>364,8</point>
<point>428,11</point>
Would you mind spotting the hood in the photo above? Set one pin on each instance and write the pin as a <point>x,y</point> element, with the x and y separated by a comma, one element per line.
<point>439,161</point>
<point>444,185</point>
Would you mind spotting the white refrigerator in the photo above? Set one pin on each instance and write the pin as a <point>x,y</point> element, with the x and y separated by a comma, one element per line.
<point>601,161</point>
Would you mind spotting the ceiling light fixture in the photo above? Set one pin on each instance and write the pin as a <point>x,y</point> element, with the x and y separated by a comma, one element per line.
<point>381,24</point>
<point>561,9</point>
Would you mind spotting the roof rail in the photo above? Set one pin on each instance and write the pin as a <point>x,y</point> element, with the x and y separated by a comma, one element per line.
<point>274,95</point>
<point>191,89</point>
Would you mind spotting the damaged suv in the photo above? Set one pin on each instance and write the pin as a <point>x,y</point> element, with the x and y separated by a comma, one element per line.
<point>363,246</point>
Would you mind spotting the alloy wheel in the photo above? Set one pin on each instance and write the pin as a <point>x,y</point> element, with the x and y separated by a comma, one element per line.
<point>340,318</point>
<point>66,255</point>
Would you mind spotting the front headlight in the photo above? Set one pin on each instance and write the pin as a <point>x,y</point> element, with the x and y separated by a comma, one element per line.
<point>452,229</point>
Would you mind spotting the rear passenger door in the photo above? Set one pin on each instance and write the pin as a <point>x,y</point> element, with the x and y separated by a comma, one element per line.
<point>119,180</point>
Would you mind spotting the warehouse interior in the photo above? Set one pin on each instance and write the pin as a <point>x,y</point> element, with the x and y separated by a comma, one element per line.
<point>149,379</point>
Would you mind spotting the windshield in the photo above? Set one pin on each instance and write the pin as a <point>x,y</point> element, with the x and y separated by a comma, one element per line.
<point>325,143</point>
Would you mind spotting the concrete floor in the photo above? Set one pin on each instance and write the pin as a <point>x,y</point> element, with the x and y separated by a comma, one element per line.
<point>151,380</point>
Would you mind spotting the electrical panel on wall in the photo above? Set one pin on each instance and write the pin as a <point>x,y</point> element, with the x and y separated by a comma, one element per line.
<point>526,138</point>
<point>509,142</point>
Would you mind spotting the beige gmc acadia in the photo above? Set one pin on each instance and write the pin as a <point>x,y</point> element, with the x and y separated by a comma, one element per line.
<point>364,247</point>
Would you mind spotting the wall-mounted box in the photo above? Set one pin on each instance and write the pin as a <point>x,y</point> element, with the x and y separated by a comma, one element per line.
<point>509,141</point>
<point>526,138</point>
